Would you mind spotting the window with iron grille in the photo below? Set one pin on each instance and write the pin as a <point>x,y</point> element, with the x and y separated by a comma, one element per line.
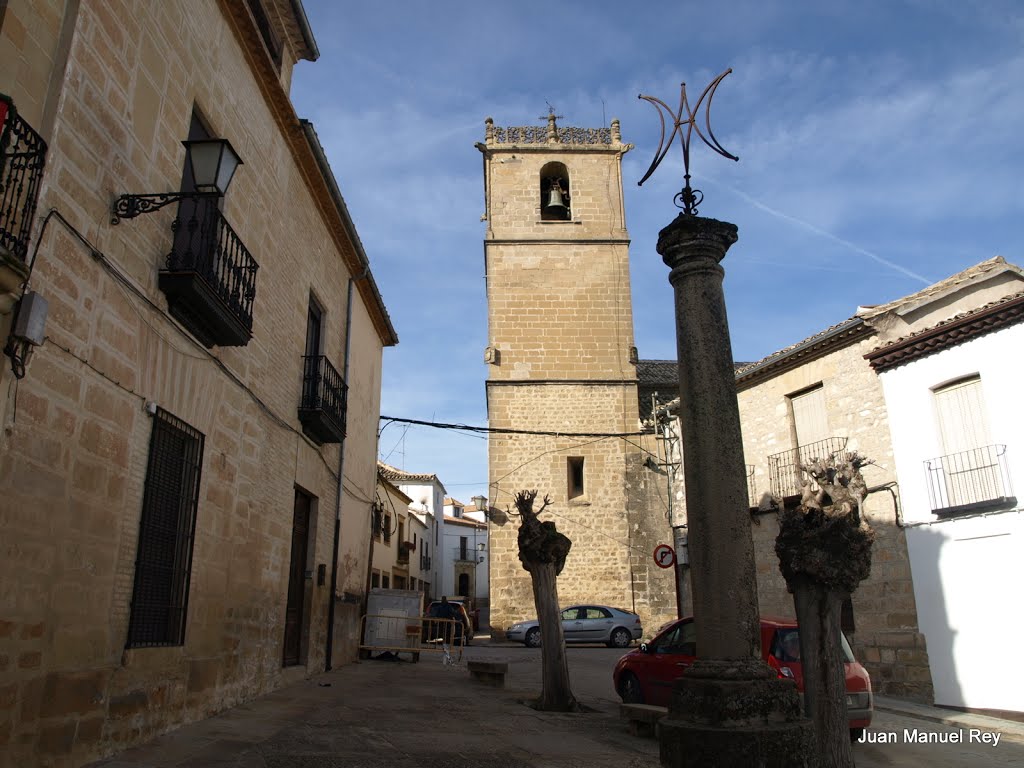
<point>163,563</point>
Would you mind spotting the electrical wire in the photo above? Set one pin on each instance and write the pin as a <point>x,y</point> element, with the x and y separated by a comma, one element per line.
<point>507,431</point>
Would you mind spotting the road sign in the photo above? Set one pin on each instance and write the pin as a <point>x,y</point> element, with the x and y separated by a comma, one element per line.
<point>664,556</point>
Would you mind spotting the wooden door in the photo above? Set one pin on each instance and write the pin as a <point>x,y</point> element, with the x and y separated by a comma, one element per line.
<point>296,581</point>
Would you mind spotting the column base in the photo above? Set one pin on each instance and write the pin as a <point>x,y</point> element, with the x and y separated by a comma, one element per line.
<point>748,722</point>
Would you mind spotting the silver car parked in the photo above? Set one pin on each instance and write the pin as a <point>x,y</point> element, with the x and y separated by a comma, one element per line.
<point>585,624</point>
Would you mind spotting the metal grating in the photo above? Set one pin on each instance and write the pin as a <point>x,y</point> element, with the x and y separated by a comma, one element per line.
<point>22,157</point>
<point>785,469</point>
<point>163,563</point>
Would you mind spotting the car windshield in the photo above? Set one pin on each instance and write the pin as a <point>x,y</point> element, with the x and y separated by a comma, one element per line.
<point>786,645</point>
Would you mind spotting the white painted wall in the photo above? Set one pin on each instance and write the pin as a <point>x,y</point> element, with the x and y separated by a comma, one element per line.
<point>475,536</point>
<point>966,571</point>
<point>428,499</point>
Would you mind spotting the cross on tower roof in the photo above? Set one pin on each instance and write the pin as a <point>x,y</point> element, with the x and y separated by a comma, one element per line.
<point>550,116</point>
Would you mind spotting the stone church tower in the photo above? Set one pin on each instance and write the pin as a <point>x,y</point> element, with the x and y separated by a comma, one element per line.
<point>561,359</point>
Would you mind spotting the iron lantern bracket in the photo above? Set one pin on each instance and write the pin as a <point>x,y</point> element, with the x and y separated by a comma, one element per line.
<point>130,206</point>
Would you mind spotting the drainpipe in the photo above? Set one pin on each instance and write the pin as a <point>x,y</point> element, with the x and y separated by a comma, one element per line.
<point>333,597</point>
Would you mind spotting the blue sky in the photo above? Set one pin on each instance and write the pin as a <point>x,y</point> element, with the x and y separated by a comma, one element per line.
<point>880,147</point>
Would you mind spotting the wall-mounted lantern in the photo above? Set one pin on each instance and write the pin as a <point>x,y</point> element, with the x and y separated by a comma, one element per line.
<point>213,163</point>
<point>480,502</point>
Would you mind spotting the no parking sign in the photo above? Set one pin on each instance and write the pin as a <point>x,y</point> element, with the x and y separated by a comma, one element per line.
<point>664,556</point>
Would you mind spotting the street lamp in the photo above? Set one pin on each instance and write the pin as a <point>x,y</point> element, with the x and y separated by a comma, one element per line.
<point>213,163</point>
<point>481,505</point>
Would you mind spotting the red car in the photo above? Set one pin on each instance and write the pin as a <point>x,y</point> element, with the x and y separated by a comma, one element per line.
<point>646,675</point>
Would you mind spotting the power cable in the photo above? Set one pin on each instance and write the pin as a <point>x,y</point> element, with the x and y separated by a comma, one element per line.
<point>507,431</point>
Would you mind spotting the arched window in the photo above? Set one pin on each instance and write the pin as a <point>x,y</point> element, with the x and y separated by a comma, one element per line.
<point>554,193</point>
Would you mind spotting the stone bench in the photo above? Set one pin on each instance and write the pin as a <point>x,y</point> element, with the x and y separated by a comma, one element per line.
<point>489,672</point>
<point>642,718</point>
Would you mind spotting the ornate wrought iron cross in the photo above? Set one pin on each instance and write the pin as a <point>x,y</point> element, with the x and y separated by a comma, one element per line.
<point>688,199</point>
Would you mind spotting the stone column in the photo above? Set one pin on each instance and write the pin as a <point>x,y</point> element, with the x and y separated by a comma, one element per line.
<point>729,708</point>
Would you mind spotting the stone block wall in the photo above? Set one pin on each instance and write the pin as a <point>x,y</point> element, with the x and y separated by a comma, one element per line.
<point>513,202</point>
<point>560,311</point>
<point>598,568</point>
<point>76,433</point>
<point>884,603</point>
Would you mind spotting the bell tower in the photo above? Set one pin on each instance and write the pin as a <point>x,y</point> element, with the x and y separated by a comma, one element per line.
<point>560,356</point>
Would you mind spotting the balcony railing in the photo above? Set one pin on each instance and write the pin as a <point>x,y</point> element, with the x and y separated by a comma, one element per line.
<point>404,548</point>
<point>784,473</point>
<point>324,396</point>
<point>22,155</point>
<point>210,279</point>
<point>969,481</point>
<point>465,555</point>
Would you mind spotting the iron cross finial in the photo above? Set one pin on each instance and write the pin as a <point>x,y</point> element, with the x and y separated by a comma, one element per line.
<point>688,199</point>
<point>551,113</point>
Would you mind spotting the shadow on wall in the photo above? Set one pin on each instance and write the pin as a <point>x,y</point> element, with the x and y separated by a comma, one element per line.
<point>924,547</point>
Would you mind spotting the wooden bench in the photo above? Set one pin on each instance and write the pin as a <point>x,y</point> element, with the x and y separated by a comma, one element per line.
<point>489,672</point>
<point>642,718</point>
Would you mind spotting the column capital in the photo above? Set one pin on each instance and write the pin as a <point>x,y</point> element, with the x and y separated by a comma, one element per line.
<point>694,237</point>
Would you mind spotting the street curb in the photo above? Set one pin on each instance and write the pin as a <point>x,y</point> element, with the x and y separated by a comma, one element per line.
<point>1011,729</point>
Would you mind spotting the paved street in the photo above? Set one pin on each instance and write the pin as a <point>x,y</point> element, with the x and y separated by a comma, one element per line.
<point>427,715</point>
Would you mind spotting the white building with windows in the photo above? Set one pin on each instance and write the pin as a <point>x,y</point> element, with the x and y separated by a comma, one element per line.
<point>465,553</point>
<point>953,392</point>
<point>427,495</point>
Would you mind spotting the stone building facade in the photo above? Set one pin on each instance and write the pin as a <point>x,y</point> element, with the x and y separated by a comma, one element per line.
<point>171,454</point>
<point>848,413</point>
<point>427,496</point>
<point>561,365</point>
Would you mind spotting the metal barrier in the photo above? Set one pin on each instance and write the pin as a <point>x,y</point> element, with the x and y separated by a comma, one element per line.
<point>413,635</point>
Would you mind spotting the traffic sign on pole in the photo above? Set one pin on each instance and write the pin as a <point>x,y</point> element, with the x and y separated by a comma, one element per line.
<point>664,556</point>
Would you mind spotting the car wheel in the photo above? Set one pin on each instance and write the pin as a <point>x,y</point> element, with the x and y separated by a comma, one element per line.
<point>856,734</point>
<point>533,638</point>
<point>621,638</point>
<point>629,689</point>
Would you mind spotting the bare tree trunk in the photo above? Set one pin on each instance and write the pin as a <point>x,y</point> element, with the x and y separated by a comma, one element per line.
<point>556,693</point>
<point>542,551</point>
<point>818,614</point>
<point>824,550</point>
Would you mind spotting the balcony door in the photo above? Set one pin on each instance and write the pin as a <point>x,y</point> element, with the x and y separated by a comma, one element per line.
<point>969,462</point>
<point>810,420</point>
<point>195,236</point>
<point>310,367</point>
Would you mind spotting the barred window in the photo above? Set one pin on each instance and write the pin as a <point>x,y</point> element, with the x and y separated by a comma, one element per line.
<point>163,563</point>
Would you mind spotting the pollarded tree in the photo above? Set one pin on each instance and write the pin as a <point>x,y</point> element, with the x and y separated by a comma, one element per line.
<point>824,550</point>
<point>542,551</point>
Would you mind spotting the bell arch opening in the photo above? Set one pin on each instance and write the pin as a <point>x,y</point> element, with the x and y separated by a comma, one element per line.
<point>554,193</point>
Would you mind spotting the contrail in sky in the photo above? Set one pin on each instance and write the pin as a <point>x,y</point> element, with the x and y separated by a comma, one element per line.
<point>818,231</point>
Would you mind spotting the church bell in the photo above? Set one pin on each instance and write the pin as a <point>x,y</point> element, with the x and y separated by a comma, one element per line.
<point>555,199</point>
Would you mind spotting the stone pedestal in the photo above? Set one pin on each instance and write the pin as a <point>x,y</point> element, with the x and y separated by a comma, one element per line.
<point>729,708</point>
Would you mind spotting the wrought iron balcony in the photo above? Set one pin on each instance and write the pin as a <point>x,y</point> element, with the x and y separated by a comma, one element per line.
<point>970,481</point>
<point>404,548</point>
<point>466,555</point>
<point>784,473</point>
<point>22,156</point>
<point>210,276</point>
<point>323,408</point>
